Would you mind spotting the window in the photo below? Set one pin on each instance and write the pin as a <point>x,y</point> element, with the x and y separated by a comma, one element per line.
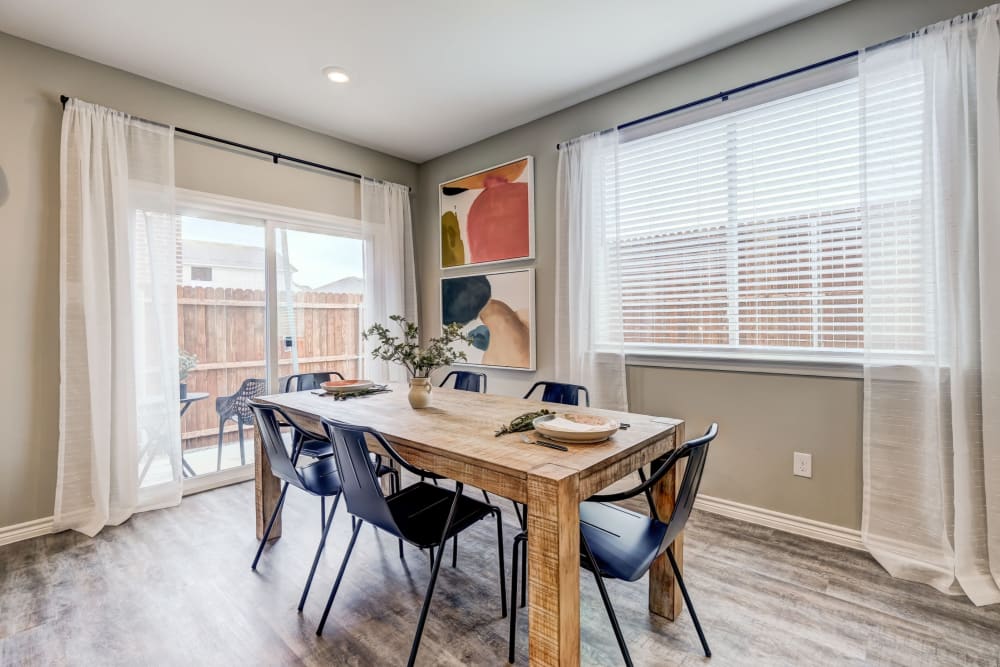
<point>740,231</point>
<point>201,273</point>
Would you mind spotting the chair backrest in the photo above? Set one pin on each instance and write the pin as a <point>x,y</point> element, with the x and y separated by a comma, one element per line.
<point>560,392</point>
<point>696,453</point>
<point>466,381</point>
<point>274,446</point>
<point>358,479</point>
<point>307,381</point>
<point>239,404</point>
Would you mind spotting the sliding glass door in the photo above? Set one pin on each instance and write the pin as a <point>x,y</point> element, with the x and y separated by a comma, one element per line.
<point>320,288</point>
<point>222,325</point>
<point>260,297</point>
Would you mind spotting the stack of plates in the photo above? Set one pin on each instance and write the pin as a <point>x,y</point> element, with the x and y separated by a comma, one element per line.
<point>576,428</point>
<point>338,386</point>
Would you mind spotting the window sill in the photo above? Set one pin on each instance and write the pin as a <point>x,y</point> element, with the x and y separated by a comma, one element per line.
<point>840,368</point>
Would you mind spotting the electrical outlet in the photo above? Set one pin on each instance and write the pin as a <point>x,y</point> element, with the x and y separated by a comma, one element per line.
<point>802,465</point>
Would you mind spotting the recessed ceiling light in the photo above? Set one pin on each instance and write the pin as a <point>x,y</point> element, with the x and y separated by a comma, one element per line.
<point>336,74</point>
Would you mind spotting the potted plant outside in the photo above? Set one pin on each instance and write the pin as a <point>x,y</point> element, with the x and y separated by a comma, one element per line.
<point>186,362</point>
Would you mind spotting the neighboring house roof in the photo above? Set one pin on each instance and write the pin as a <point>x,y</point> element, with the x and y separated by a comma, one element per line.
<point>349,285</point>
<point>228,255</point>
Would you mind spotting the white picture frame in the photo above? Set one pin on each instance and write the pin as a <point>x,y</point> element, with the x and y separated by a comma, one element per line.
<point>517,298</point>
<point>461,204</point>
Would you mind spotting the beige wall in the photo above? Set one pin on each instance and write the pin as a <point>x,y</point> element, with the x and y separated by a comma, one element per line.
<point>764,418</point>
<point>31,79</point>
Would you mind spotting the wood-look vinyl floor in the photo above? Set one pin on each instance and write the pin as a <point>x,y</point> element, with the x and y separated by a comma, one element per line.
<point>174,587</point>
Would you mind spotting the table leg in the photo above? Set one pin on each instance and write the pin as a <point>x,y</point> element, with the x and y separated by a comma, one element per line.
<point>554,566</point>
<point>267,489</point>
<point>664,595</point>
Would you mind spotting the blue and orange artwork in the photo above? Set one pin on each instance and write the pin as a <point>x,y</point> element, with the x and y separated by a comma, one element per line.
<point>487,216</point>
<point>496,312</point>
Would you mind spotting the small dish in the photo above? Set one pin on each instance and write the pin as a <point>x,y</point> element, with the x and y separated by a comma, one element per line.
<point>338,386</point>
<point>576,428</point>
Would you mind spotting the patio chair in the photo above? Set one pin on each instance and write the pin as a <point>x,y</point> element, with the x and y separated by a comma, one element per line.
<point>237,407</point>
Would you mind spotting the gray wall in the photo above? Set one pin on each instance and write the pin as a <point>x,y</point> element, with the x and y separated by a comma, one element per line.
<point>31,79</point>
<point>763,418</point>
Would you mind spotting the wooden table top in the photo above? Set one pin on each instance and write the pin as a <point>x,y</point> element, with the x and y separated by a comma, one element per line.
<point>460,425</point>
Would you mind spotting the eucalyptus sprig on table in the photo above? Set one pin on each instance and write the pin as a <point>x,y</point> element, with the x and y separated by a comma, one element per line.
<point>522,423</point>
<point>406,351</point>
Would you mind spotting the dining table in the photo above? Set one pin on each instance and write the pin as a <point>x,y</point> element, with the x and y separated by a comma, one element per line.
<point>455,437</point>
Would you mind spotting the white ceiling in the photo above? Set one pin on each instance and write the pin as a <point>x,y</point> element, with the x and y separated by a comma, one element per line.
<point>427,76</point>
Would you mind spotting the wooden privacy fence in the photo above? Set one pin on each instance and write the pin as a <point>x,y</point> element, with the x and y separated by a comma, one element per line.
<point>225,327</point>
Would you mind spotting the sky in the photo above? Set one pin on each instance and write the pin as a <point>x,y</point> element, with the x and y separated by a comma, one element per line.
<point>318,258</point>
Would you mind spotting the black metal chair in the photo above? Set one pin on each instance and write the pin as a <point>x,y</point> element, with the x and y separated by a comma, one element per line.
<point>422,514</point>
<point>237,407</point>
<point>466,381</point>
<point>319,478</point>
<point>617,543</point>
<point>319,448</point>
<point>561,392</point>
<point>307,381</point>
<point>553,392</point>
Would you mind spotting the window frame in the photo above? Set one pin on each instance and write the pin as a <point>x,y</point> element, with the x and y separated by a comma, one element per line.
<point>736,357</point>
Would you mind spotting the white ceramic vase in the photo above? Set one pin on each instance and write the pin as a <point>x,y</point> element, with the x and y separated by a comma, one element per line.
<point>420,392</point>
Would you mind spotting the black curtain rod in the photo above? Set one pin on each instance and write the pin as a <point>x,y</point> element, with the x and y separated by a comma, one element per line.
<point>724,95</point>
<point>275,157</point>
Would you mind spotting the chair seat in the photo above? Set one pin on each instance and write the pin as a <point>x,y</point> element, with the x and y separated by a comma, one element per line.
<point>421,511</point>
<point>624,543</point>
<point>321,477</point>
<point>317,449</point>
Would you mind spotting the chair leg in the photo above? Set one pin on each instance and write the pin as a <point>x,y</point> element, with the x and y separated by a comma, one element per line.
<point>486,497</point>
<point>434,574</point>
<point>340,575</point>
<point>454,551</point>
<point>319,551</point>
<point>270,524</point>
<point>522,519</point>
<point>687,601</point>
<point>524,573</point>
<point>649,494</point>
<point>503,580</point>
<point>322,510</point>
<point>513,600</point>
<point>218,461</point>
<point>243,455</point>
<point>607,601</point>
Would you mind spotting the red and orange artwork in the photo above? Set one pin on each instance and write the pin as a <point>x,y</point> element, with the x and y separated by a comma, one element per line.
<point>488,216</point>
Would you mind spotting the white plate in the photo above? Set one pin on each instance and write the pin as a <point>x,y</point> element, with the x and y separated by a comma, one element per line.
<point>336,388</point>
<point>580,429</point>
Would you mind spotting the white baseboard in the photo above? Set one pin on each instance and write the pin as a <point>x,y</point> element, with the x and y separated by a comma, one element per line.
<point>788,523</point>
<point>25,531</point>
<point>817,530</point>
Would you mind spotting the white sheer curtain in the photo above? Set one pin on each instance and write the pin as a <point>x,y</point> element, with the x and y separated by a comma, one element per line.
<point>119,436</point>
<point>390,278</point>
<point>931,509</point>
<point>589,332</point>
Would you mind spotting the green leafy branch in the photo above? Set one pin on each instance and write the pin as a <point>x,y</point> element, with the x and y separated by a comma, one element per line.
<point>405,350</point>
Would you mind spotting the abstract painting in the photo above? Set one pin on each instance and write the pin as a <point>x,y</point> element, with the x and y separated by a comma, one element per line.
<point>497,311</point>
<point>489,216</point>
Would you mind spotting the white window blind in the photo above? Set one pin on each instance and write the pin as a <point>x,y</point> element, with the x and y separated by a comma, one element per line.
<point>740,225</point>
